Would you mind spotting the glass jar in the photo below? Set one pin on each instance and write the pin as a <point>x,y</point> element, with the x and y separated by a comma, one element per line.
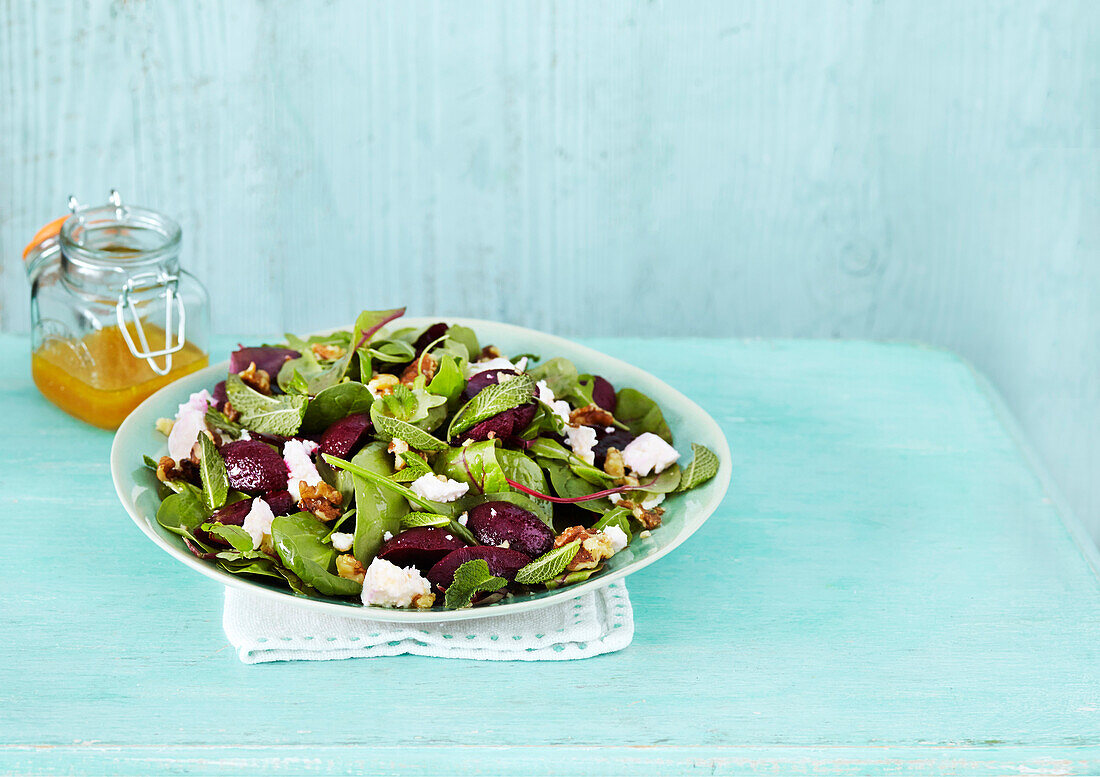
<point>113,316</point>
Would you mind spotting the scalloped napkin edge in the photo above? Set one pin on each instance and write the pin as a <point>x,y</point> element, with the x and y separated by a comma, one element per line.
<point>263,630</point>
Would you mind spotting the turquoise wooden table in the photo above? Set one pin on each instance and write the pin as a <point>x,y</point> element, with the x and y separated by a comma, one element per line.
<point>889,587</point>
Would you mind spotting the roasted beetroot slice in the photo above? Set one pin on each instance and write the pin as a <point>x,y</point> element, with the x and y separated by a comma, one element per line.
<point>254,467</point>
<point>219,395</point>
<point>233,514</point>
<point>603,394</point>
<point>619,438</point>
<point>502,425</point>
<point>430,335</point>
<point>481,380</point>
<point>344,436</point>
<point>503,562</point>
<point>280,502</point>
<point>420,547</point>
<point>496,523</point>
<point>267,358</point>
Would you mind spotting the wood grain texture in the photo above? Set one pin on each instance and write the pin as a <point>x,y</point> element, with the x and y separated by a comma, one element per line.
<point>902,170</point>
<point>888,588</point>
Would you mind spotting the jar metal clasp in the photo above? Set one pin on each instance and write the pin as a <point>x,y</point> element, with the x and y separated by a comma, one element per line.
<point>174,330</point>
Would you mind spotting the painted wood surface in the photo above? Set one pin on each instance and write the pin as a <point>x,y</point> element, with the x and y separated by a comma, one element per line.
<point>849,168</point>
<point>891,586</point>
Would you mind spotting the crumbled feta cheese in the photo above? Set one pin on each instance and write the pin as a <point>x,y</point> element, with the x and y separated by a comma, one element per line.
<point>342,541</point>
<point>462,519</point>
<point>387,536</point>
<point>388,585</point>
<point>650,502</point>
<point>258,522</point>
<point>617,537</point>
<point>499,363</point>
<point>582,439</point>
<point>438,488</point>
<point>615,498</point>
<point>649,453</point>
<point>190,423</point>
<point>245,435</point>
<point>521,365</point>
<point>645,535</point>
<point>558,407</point>
<point>299,464</point>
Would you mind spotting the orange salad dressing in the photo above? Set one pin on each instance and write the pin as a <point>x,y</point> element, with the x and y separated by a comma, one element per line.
<point>104,384</point>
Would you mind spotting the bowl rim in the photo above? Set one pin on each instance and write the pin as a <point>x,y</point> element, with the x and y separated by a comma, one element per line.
<point>120,474</point>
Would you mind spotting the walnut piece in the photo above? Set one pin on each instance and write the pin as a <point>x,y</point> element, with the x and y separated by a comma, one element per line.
<point>168,470</point>
<point>327,353</point>
<point>256,379</point>
<point>489,352</point>
<point>650,519</point>
<point>613,463</point>
<point>425,365</point>
<point>594,547</point>
<point>382,385</point>
<point>230,412</point>
<point>423,601</point>
<point>349,568</point>
<point>591,415</point>
<point>322,500</point>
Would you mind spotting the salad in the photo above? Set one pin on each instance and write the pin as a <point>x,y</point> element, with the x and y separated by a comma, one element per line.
<point>415,468</point>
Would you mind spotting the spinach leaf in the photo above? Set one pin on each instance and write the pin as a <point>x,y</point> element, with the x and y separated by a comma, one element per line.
<point>466,338</point>
<point>567,484</point>
<point>297,384</point>
<point>491,400</point>
<point>334,403</point>
<point>616,516</point>
<point>215,481</point>
<point>546,449</point>
<point>377,509</point>
<point>570,578</point>
<point>448,381</point>
<point>271,415</point>
<point>387,483</point>
<point>248,566</point>
<point>390,428</point>
<point>523,470</point>
<point>559,373</point>
<point>703,466</point>
<point>237,537</point>
<point>475,464</point>
<point>299,541</point>
<point>182,512</point>
<point>471,577</point>
<point>641,414</point>
<point>393,352</point>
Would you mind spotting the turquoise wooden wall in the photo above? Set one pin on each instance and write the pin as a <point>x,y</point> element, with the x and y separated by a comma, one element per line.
<point>923,170</point>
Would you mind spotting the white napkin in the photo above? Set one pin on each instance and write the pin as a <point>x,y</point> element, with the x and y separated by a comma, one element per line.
<point>263,629</point>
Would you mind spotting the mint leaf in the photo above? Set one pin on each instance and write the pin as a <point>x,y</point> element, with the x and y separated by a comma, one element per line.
<point>215,481</point>
<point>516,391</point>
<point>217,420</point>
<point>549,565</point>
<point>471,577</point>
<point>389,428</point>
<point>415,467</point>
<point>413,520</point>
<point>260,413</point>
<point>703,466</point>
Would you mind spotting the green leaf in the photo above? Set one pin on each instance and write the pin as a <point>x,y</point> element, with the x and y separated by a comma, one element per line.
<point>393,352</point>
<point>641,414</point>
<point>150,462</point>
<point>570,578</point>
<point>518,467</point>
<point>271,415</point>
<point>560,375</point>
<point>264,567</point>
<point>215,482</point>
<point>567,484</point>
<point>545,448</point>
<point>616,516</point>
<point>415,519</point>
<point>491,400</point>
<point>448,381</point>
<point>215,419</point>
<point>470,578</point>
<point>466,337</point>
<point>549,564</point>
<point>335,403</point>
<point>236,536</point>
<point>297,384</point>
<point>378,508</point>
<point>299,539</point>
<point>387,483</point>
<point>666,482</point>
<point>703,466</point>
<point>184,511</point>
<point>475,464</point>
<point>415,467</point>
<point>390,428</point>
